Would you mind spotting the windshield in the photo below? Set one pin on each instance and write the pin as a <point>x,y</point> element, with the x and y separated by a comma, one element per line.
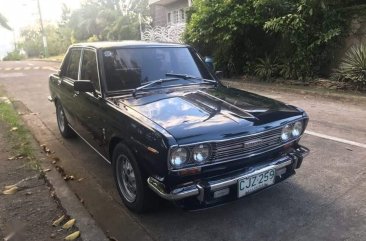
<point>129,68</point>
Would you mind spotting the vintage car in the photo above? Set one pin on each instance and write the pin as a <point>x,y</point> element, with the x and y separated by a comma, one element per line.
<point>170,128</point>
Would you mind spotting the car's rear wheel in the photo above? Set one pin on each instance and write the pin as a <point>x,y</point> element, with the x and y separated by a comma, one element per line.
<point>63,124</point>
<point>130,181</point>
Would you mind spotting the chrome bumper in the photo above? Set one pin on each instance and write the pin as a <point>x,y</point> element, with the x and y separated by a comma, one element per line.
<point>197,190</point>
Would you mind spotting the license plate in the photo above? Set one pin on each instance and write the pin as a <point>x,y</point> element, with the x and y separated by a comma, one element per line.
<point>255,182</point>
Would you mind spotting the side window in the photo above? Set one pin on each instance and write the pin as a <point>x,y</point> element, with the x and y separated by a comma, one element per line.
<point>72,67</point>
<point>89,70</point>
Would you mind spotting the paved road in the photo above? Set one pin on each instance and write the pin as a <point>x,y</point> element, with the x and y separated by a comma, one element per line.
<point>326,200</point>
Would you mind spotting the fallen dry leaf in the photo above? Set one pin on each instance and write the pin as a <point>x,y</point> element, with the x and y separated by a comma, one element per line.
<point>56,158</point>
<point>47,170</point>
<point>80,179</point>
<point>11,191</point>
<point>14,129</point>
<point>58,221</point>
<point>9,187</point>
<point>69,224</point>
<point>73,236</point>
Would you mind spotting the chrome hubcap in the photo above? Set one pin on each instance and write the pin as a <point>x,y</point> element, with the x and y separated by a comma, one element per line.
<point>61,119</point>
<point>126,178</point>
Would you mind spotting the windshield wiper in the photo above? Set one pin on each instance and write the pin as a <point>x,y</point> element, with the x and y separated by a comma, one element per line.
<point>187,76</point>
<point>159,81</point>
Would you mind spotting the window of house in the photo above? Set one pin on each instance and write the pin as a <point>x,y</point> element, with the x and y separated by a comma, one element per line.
<point>175,16</point>
<point>182,15</point>
<point>169,18</point>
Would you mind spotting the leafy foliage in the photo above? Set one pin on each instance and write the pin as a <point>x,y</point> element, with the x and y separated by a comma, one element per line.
<point>353,66</point>
<point>14,55</point>
<point>266,68</point>
<point>302,33</point>
<point>4,22</point>
<point>95,20</point>
<point>107,20</point>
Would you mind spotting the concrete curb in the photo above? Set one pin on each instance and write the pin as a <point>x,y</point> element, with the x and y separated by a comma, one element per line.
<point>47,60</point>
<point>303,91</point>
<point>87,226</point>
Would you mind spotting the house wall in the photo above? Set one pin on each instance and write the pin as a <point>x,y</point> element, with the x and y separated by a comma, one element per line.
<point>159,13</point>
<point>357,34</point>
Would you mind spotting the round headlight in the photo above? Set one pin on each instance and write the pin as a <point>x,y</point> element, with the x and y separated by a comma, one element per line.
<point>286,133</point>
<point>297,129</point>
<point>201,152</point>
<point>178,157</point>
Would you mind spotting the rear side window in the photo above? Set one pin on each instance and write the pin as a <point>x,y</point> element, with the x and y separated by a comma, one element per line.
<point>89,70</point>
<point>72,68</point>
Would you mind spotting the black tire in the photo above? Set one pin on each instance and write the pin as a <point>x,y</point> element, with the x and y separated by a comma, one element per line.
<point>63,124</point>
<point>144,199</point>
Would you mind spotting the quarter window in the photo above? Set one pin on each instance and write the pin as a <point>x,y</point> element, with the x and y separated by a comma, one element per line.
<point>89,69</point>
<point>73,64</point>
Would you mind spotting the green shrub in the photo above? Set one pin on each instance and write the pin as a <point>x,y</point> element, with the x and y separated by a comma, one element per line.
<point>236,33</point>
<point>14,55</point>
<point>353,66</point>
<point>266,68</point>
<point>287,69</point>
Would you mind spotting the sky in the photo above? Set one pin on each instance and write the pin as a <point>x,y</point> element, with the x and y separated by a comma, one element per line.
<point>22,13</point>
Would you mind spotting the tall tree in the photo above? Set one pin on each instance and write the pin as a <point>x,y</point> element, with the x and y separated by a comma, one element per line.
<point>4,22</point>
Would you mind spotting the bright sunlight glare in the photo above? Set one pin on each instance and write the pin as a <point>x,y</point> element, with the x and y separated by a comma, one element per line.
<point>22,13</point>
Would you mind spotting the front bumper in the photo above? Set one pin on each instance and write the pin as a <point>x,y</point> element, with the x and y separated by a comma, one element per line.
<point>203,190</point>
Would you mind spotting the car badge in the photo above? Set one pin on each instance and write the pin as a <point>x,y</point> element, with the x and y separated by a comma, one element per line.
<point>252,143</point>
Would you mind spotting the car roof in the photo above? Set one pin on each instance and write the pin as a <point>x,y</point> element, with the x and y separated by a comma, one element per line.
<point>107,44</point>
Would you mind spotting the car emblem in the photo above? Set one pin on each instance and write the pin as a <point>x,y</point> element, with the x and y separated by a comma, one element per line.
<point>253,143</point>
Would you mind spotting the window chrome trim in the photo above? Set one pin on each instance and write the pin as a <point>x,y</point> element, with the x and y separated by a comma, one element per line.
<point>96,59</point>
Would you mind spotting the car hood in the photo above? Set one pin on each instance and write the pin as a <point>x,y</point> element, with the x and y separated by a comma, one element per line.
<point>211,113</point>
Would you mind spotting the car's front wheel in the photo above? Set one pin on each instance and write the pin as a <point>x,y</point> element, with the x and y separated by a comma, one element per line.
<point>130,181</point>
<point>63,124</point>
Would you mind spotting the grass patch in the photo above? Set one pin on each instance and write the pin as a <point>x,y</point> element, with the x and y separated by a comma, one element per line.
<point>56,58</point>
<point>18,136</point>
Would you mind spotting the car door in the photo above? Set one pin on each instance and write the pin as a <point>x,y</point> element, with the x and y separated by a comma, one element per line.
<point>91,110</point>
<point>69,73</point>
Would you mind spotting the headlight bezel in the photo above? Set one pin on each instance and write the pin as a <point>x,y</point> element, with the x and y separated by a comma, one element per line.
<point>190,162</point>
<point>203,145</point>
<point>172,152</point>
<point>300,130</point>
<point>288,130</point>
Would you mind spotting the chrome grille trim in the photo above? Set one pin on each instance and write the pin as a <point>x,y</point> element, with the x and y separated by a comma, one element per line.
<point>234,148</point>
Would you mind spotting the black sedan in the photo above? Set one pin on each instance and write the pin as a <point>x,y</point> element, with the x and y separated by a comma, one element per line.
<point>170,128</point>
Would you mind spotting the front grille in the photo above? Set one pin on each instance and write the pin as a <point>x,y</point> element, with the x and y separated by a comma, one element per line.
<point>246,146</point>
